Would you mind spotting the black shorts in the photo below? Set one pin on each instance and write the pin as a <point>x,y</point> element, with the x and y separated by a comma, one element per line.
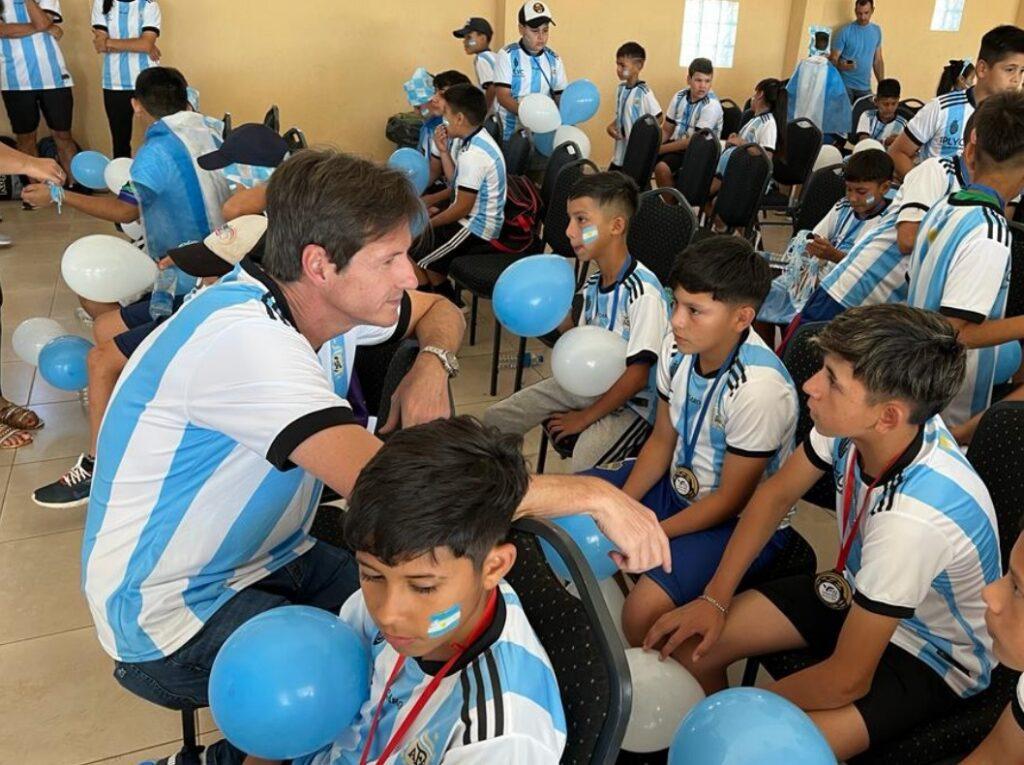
<point>674,160</point>
<point>436,252</point>
<point>905,691</point>
<point>24,106</point>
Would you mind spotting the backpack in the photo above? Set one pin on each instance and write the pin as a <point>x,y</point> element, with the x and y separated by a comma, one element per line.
<point>403,129</point>
<point>522,211</point>
<point>10,185</point>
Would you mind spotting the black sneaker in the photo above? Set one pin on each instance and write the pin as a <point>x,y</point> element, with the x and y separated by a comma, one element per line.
<point>70,490</point>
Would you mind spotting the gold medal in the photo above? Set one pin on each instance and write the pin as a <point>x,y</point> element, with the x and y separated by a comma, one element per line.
<point>833,590</point>
<point>684,482</point>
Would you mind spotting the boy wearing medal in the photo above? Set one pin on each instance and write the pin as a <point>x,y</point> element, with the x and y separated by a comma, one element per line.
<point>442,627</point>
<point>899,623</point>
<point>726,417</point>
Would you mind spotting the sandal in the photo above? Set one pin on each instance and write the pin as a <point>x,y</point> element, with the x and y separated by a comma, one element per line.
<point>13,438</point>
<point>19,418</point>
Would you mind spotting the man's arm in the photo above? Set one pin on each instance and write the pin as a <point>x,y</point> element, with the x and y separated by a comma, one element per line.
<point>39,19</point>
<point>903,152</point>
<point>245,202</point>
<point>1005,744</point>
<point>879,64</point>
<point>103,207</point>
<point>655,457</point>
<point>14,162</point>
<point>632,381</point>
<point>505,99</point>
<point>740,476</point>
<point>988,333</point>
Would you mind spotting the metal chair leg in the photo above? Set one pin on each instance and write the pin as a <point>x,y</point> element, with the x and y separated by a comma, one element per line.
<point>495,353</point>
<point>519,364</point>
<point>542,455</point>
<point>750,672</point>
<point>473,311</point>
<point>190,749</point>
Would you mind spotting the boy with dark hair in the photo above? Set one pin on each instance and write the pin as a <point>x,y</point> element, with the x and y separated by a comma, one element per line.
<point>960,265</point>
<point>899,622</point>
<point>693,108</point>
<point>476,35</point>
<point>938,129</point>
<point>633,99</point>
<point>883,123</point>
<point>625,297</point>
<point>433,134</point>
<point>726,417</point>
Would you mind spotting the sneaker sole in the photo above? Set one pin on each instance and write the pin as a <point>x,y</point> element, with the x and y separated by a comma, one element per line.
<point>62,505</point>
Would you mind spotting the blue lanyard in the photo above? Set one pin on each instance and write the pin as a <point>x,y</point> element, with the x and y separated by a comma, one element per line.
<point>339,366</point>
<point>615,295</point>
<point>690,441</point>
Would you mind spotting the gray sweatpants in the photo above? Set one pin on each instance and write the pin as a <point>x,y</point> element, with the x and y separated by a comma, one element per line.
<point>614,437</point>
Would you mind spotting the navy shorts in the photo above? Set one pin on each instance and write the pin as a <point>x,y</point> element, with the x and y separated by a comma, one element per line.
<point>140,324</point>
<point>821,306</point>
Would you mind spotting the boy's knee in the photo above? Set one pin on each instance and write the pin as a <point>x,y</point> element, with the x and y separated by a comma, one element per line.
<point>105,359</point>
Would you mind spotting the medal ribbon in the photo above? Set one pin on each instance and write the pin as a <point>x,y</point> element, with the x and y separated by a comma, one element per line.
<point>690,441</point>
<point>615,295</point>
<point>849,491</point>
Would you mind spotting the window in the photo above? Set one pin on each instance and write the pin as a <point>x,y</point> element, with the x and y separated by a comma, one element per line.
<point>947,15</point>
<point>709,30</point>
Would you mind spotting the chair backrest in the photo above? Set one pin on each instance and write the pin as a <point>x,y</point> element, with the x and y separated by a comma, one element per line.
<point>803,142</point>
<point>580,639</point>
<point>380,368</point>
<point>698,167</point>
<point>272,119</point>
<point>909,107</point>
<point>802,360</point>
<point>743,185</point>
<point>295,139</point>
<point>227,125</point>
<point>660,231</point>
<point>823,189</point>
<point>556,216</point>
<point>517,152</point>
<point>493,126</point>
<point>731,118</point>
<point>1015,293</point>
<point>642,150</point>
<point>861,105</point>
<point>561,156</point>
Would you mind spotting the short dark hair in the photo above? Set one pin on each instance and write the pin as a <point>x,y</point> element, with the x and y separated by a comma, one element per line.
<point>727,267</point>
<point>931,362</point>
<point>865,2</point>
<point>702,66</point>
<point>469,101</point>
<point>1001,43</point>
<point>999,129</point>
<point>869,166</point>
<point>888,88</point>
<point>821,40</point>
<point>449,483</point>
<point>631,50</point>
<point>162,91</point>
<point>609,189</point>
<point>448,78</point>
<point>338,201</point>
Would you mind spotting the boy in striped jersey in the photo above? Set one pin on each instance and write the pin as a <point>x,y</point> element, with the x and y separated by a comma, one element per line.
<point>633,99</point>
<point>432,605</point>
<point>476,35</point>
<point>693,108</point>
<point>898,624</point>
<point>938,129</point>
<point>960,265</point>
<point>883,123</point>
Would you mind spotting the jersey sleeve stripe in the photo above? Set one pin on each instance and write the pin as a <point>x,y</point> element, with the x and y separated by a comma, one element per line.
<point>497,694</point>
<point>303,428</point>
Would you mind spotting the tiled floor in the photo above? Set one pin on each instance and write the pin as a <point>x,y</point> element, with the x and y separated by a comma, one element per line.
<point>59,704</point>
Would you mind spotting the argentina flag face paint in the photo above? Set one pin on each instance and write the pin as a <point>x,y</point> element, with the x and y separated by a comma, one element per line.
<point>589,235</point>
<point>444,622</point>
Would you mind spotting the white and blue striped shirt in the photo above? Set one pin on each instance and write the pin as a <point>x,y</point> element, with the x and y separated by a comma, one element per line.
<point>960,267</point>
<point>874,271</point>
<point>928,183</point>
<point>631,103</point>
<point>480,169</point>
<point>753,415</point>
<point>194,497</point>
<point>641,319</point>
<point>873,127</point>
<point>500,703</point>
<point>127,20</point>
<point>939,127</point>
<point>34,62</point>
<point>525,73</point>
<point>483,65</point>
<point>927,545</point>
<point>687,117</point>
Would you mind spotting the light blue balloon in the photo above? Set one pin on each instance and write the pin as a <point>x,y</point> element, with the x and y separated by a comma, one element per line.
<point>744,725</point>
<point>1008,360</point>
<point>288,682</point>
<point>62,362</point>
<point>533,295</point>
<point>594,545</point>
<point>579,102</point>
<point>544,143</point>
<point>87,167</point>
<point>414,165</point>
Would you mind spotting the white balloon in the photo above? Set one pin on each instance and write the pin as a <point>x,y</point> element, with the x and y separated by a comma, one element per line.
<point>868,143</point>
<point>117,174</point>
<point>106,268</point>
<point>829,155</point>
<point>539,113</point>
<point>587,361</point>
<point>574,134</point>
<point>31,335</point>
<point>663,694</point>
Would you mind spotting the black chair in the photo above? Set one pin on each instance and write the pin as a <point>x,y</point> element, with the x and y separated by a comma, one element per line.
<point>642,151</point>
<point>1015,293</point>
<point>517,152</point>
<point>296,140</point>
<point>803,144</point>
<point>823,189</point>
<point>660,231</point>
<point>697,170</point>
<point>560,157</point>
<point>732,118</point>
<point>743,184</point>
<point>227,125</point>
<point>861,105</point>
<point>272,119</point>
<point>580,639</point>
<point>493,126</point>
<point>909,107</point>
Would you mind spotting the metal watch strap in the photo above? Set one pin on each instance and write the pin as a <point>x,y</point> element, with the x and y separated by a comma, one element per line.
<point>451,368</point>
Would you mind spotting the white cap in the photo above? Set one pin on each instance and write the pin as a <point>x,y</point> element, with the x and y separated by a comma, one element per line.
<point>534,14</point>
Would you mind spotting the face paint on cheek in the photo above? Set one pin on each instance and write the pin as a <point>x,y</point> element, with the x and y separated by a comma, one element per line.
<point>870,200</point>
<point>444,622</point>
<point>589,234</point>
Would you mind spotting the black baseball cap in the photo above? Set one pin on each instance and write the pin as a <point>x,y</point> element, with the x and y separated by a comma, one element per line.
<point>475,24</point>
<point>250,144</point>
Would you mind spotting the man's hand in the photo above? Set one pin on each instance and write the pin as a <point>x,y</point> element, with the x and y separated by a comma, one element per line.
<point>421,397</point>
<point>565,424</point>
<point>820,247</point>
<point>55,31</point>
<point>37,195</point>
<point>639,540</point>
<point>441,138</point>
<point>677,626</point>
<point>846,66</point>
<point>43,169</point>
<point>99,40</point>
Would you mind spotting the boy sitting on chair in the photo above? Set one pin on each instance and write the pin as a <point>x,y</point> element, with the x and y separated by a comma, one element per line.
<point>883,123</point>
<point>633,99</point>
<point>898,625</point>
<point>429,520</point>
<point>727,412</point>
<point>693,108</point>
<point>624,297</point>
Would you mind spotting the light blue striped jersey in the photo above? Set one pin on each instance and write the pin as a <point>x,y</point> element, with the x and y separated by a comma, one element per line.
<point>127,20</point>
<point>960,267</point>
<point>927,545</point>
<point>641,319</point>
<point>631,103</point>
<point>753,413</point>
<point>179,201</point>
<point>194,495</point>
<point>483,65</point>
<point>873,127</point>
<point>525,73</point>
<point>843,228</point>
<point>499,704</point>
<point>34,62</point>
<point>687,117</point>
<point>480,169</point>
<point>874,271</point>
<point>928,183</point>
<point>939,127</point>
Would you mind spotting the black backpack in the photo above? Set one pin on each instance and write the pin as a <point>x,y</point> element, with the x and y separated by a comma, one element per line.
<point>522,211</point>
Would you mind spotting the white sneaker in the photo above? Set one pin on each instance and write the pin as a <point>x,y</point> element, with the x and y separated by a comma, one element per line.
<point>83,316</point>
<point>5,241</point>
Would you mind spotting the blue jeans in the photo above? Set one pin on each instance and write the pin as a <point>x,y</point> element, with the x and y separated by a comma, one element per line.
<point>323,577</point>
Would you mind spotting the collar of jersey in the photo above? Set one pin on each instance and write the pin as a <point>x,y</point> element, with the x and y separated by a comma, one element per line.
<point>878,211</point>
<point>630,87</point>
<point>967,197</point>
<point>705,98</point>
<point>632,267</point>
<point>904,461</point>
<point>272,287</point>
<point>485,641</point>
<point>533,55</point>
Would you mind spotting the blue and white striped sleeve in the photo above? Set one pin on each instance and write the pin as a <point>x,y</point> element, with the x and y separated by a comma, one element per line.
<point>99,21</point>
<point>151,18</point>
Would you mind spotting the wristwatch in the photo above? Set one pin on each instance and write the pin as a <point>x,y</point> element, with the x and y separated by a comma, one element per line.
<point>448,359</point>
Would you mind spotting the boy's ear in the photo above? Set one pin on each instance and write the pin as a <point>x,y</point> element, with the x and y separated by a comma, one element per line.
<point>499,561</point>
<point>744,316</point>
<point>619,225</point>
